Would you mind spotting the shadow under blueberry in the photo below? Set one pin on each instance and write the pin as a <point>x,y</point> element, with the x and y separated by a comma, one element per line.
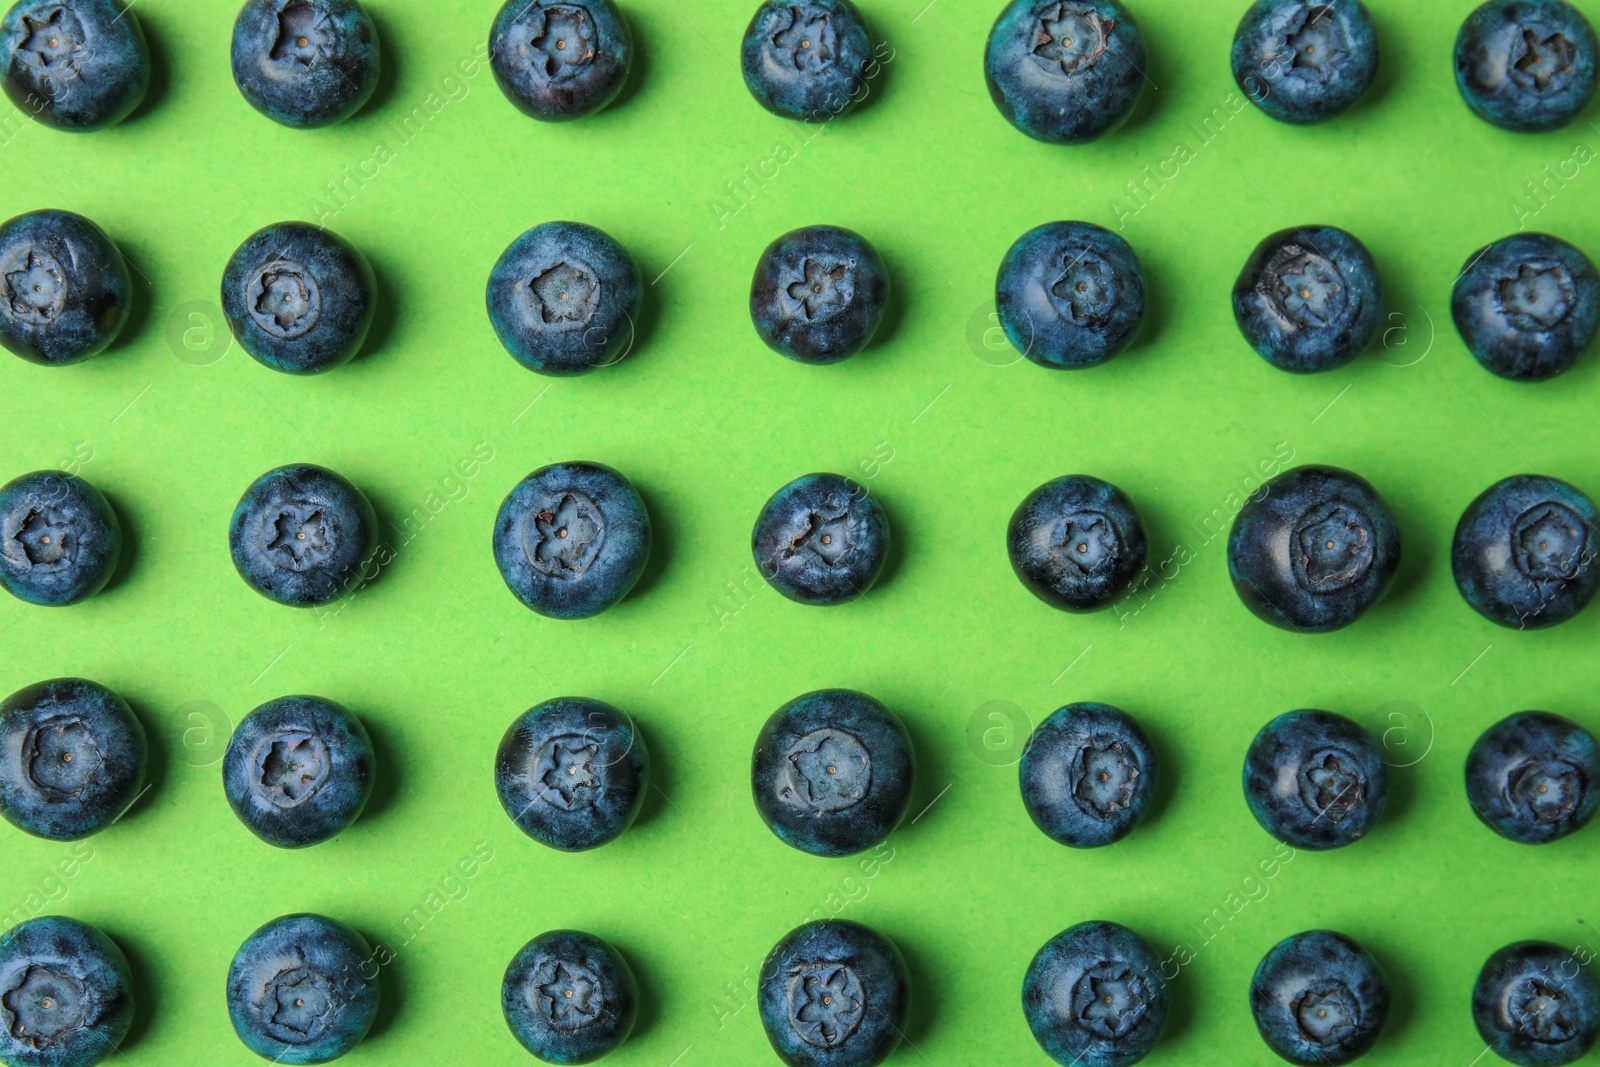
<point>128,556</point>
<point>155,763</point>
<point>1151,99</point>
<point>1169,768</point>
<point>1157,305</point>
<point>159,75</point>
<point>1402,1001</point>
<point>385,773</point>
<point>144,986</point>
<point>647,1004</point>
<point>929,779</point>
<point>388,73</point>
<point>1402,791</point>
<point>1182,1005</point>
<point>1392,55</point>
<point>385,310</point>
<point>924,985</point>
<point>893,556</point>
<point>651,300</point>
<point>1416,555</point>
<point>659,780</point>
<point>661,534</point>
<point>141,297</point>
<point>639,64</point>
<point>391,987</point>
<point>894,310</point>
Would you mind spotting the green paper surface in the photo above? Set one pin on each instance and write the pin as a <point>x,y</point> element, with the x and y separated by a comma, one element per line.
<point>949,429</point>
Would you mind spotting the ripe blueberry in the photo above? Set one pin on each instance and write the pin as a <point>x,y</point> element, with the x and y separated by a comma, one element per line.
<point>72,758</point>
<point>572,773</point>
<point>564,299</point>
<point>569,997</point>
<point>298,298</point>
<point>1076,543</point>
<point>305,63</point>
<point>67,994</point>
<point>64,288</point>
<point>1527,306</point>
<point>76,65</point>
<point>832,772</point>
<point>1305,61</point>
<point>819,294</point>
<point>1308,299</point>
<point>59,539</point>
<point>1319,998</point>
<point>1524,552</point>
<point>1526,64</point>
<point>298,770</point>
<point>834,993</point>
<point>1313,550</point>
<point>1065,71</point>
<point>1537,1004</point>
<point>560,59</point>
<point>807,59</point>
<point>1534,777</point>
<point>1094,996</point>
<point>821,540</point>
<point>572,539</point>
<point>303,535</point>
<point>1088,774</point>
<point>1070,295</point>
<point>303,989</point>
<point>1315,779</point>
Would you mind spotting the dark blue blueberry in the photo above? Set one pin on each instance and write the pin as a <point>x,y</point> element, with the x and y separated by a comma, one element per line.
<point>1094,996</point>
<point>564,299</point>
<point>572,773</point>
<point>1070,295</point>
<point>303,535</point>
<point>298,770</point>
<point>1305,61</point>
<point>572,539</point>
<point>831,773</point>
<point>569,997</point>
<point>76,65</point>
<point>1536,1004</point>
<point>1315,779</point>
<point>1319,998</point>
<point>834,994</point>
<point>807,59</point>
<point>1065,71</point>
<point>1527,306</point>
<point>821,539</point>
<point>66,288</point>
<point>1526,64</point>
<point>59,539</point>
<point>1076,543</point>
<point>1534,777</point>
<point>1524,552</point>
<point>72,758</point>
<point>1088,774</point>
<point>560,59</point>
<point>303,989</point>
<point>1309,299</point>
<point>819,294</point>
<point>299,298</point>
<point>1313,549</point>
<point>305,63</point>
<point>66,996</point>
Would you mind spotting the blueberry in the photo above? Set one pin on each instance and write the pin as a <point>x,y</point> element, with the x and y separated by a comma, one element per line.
<point>572,773</point>
<point>305,63</point>
<point>831,773</point>
<point>67,994</point>
<point>821,539</point>
<point>1526,64</point>
<point>1070,295</point>
<point>76,65</point>
<point>67,288</point>
<point>72,758</point>
<point>1076,543</point>
<point>819,294</point>
<point>834,993</point>
<point>1319,998</point>
<point>298,298</point>
<point>299,990</point>
<point>1313,549</point>
<point>1088,773</point>
<point>572,539</point>
<point>1309,299</point>
<point>1065,71</point>
<point>1315,779</point>
<point>298,770</point>
<point>59,539</point>
<point>1534,777</point>
<point>560,59</point>
<point>1524,553</point>
<point>1095,997</point>
<point>303,535</point>
<point>807,59</point>
<point>1527,306</point>
<point>1537,1004</point>
<point>1304,61</point>
<point>564,299</point>
<point>569,997</point>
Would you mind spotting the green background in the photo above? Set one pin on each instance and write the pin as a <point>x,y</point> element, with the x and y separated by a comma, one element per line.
<point>947,428</point>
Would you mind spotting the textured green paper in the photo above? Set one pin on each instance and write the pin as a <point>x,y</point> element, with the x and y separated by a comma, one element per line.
<point>950,431</point>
